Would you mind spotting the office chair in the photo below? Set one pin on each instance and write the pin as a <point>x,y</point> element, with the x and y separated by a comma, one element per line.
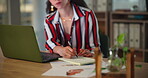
<point>104,41</point>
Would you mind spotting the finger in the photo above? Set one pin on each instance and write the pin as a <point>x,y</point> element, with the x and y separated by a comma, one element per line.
<point>70,53</point>
<point>67,56</point>
<point>86,55</point>
<point>88,51</point>
<point>69,48</point>
<point>75,51</point>
<point>81,52</point>
<point>84,52</point>
<point>89,55</point>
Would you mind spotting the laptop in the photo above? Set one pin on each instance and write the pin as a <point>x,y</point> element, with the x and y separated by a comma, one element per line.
<point>19,42</point>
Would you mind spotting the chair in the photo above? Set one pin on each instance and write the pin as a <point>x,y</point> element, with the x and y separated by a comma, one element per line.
<point>104,41</point>
<point>146,57</point>
<point>129,63</point>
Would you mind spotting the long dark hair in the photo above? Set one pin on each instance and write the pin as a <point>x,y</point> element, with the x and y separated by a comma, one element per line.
<point>77,2</point>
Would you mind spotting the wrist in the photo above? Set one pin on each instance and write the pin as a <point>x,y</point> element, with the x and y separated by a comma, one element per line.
<point>56,49</point>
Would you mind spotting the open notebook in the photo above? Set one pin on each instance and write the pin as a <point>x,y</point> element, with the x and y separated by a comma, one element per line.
<point>79,60</point>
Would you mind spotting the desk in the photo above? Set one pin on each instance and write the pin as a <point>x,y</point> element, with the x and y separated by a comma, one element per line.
<point>12,68</point>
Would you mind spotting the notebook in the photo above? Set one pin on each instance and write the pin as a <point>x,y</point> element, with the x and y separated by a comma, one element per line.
<point>79,60</point>
<point>19,42</point>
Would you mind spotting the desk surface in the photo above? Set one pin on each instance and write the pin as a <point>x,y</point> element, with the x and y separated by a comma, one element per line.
<point>12,68</point>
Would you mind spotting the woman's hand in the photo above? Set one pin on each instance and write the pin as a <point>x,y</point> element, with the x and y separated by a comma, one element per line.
<point>85,53</point>
<point>66,52</point>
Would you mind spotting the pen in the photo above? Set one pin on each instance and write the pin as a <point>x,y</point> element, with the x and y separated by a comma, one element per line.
<point>76,53</point>
<point>74,50</point>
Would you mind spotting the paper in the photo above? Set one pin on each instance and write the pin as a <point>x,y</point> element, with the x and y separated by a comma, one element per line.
<point>63,71</point>
<point>71,70</point>
<point>79,60</point>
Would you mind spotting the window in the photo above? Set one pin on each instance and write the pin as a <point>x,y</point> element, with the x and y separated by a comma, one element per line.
<point>26,8</point>
<point>3,12</point>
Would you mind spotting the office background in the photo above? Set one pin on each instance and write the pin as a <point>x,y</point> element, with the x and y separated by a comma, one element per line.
<point>25,12</point>
<point>32,12</point>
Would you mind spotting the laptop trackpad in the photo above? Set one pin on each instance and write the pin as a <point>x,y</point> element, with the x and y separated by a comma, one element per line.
<point>47,57</point>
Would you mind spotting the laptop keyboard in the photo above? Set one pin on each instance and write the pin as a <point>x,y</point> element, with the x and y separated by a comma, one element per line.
<point>47,57</point>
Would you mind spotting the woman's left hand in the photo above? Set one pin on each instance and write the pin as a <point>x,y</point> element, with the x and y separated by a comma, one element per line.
<point>85,53</point>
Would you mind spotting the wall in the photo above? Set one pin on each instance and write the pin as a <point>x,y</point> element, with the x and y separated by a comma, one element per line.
<point>38,21</point>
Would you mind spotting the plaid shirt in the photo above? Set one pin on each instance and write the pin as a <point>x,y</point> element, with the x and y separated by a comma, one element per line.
<point>84,30</point>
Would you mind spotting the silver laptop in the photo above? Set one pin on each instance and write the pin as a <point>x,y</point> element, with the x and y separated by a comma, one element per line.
<point>20,42</point>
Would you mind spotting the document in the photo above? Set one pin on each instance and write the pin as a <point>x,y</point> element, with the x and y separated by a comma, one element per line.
<point>69,70</point>
<point>61,68</point>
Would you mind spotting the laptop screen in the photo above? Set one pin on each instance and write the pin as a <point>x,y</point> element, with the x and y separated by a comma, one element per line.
<point>19,42</point>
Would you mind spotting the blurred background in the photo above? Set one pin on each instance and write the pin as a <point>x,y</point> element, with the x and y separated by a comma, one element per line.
<point>114,17</point>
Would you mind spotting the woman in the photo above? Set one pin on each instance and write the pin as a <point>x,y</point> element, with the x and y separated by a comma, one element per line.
<point>70,28</point>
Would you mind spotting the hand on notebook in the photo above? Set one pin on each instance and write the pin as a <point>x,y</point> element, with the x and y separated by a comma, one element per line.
<point>66,52</point>
<point>85,53</point>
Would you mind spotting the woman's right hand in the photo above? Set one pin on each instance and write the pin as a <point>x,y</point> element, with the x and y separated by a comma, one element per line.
<point>66,52</point>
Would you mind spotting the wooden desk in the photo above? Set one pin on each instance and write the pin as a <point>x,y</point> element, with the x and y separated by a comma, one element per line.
<point>12,68</point>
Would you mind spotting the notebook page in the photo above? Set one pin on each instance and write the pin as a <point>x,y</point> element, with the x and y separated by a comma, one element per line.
<point>79,60</point>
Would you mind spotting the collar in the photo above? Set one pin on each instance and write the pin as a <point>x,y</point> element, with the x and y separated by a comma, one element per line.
<point>56,18</point>
<point>78,12</point>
